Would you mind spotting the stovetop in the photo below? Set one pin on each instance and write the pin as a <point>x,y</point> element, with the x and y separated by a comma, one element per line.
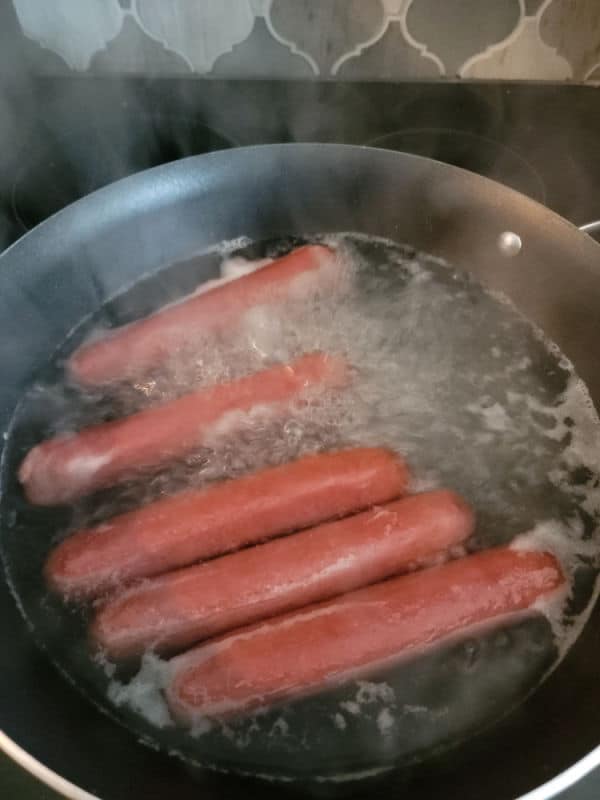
<point>73,135</point>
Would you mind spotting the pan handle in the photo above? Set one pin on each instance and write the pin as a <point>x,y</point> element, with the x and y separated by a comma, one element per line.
<point>592,228</point>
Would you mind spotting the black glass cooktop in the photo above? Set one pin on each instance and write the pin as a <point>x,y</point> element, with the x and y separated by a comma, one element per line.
<point>77,134</point>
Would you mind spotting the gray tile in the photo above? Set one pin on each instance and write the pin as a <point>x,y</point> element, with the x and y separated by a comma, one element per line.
<point>532,7</point>
<point>390,58</point>
<point>525,57</point>
<point>199,32</point>
<point>594,75</point>
<point>573,28</point>
<point>326,29</point>
<point>455,30</point>
<point>261,56</point>
<point>133,52</point>
<point>75,30</point>
<point>42,61</point>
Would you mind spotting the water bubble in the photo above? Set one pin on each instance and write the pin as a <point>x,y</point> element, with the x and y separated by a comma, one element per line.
<point>502,640</point>
<point>471,649</point>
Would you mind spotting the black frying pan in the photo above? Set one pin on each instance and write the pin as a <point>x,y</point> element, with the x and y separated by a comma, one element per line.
<point>68,266</point>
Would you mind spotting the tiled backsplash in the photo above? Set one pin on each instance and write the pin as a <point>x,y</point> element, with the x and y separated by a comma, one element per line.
<point>342,39</point>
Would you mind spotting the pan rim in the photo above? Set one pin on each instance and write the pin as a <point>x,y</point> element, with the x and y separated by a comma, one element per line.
<point>40,771</point>
<point>566,779</point>
<point>101,194</point>
<point>561,782</point>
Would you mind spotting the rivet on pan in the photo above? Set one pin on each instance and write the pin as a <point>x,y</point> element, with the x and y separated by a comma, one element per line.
<point>510,244</point>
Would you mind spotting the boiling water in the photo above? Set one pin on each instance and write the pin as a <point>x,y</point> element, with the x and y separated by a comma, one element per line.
<point>445,373</point>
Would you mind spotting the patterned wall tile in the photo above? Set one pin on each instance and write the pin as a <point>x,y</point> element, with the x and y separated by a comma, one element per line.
<point>259,7</point>
<point>73,29</point>
<point>593,76</point>
<point>396,8</point>
<point>349,39</point>
<point>455,30</point>
<point>391,58</point>
<point>524,56</point>
<point>40,60</point>
<point>573,28</point>
<point>133,52</point>
<point>327,30</point>
<point>198,32</point>
<point>262,56</point>
<point>533,6</point>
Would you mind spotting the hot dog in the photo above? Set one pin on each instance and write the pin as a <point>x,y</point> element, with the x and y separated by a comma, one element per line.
<point>191,604</point>
<point>66,467</point>
<point>328,643</point>
<point>195,525</point>
<point>145,344</point>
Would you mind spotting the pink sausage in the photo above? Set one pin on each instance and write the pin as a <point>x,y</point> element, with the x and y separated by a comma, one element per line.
<point>329,643</point>
<point>183,607</point>
<point>199,524</point>
<point>143,345</point>
<point>61,469</point>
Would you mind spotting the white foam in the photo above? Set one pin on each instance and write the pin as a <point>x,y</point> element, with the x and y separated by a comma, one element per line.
<point>564,539</point>
<point>351,706</point>
<point>231,269</point>
<point>86,466</point>
<point>143,694</point>
<point>494,416</point>
<point>279,728</point>
<point>236,267</point>
<point>385,721</point>
<point>411,709</point>
<point>370,692</point>
<point>339,720</point>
